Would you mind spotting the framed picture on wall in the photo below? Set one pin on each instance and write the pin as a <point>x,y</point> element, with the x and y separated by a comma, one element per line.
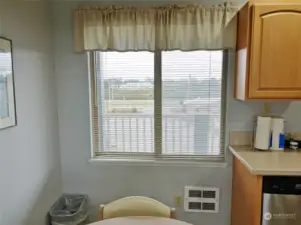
<point>7,89</point>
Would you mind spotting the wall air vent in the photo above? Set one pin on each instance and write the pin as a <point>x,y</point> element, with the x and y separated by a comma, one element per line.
<point>201,199</point>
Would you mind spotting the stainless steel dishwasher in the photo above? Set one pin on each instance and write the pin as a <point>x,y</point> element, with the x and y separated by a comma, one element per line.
<point>281,203</point>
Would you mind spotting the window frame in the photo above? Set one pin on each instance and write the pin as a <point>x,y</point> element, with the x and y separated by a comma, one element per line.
<point>157,155</point>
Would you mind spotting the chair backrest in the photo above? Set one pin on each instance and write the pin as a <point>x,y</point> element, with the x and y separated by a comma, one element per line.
<point>135,206</point>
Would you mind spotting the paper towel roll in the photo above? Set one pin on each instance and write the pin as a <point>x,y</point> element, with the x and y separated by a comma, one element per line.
<point>277,129</point>
<point>263,133</point>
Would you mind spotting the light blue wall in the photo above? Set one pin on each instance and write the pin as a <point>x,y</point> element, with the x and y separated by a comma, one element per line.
<point>106,183</point>
<point>29,153</point>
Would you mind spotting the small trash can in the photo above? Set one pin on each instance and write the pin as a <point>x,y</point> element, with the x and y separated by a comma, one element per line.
<point>70,209</point>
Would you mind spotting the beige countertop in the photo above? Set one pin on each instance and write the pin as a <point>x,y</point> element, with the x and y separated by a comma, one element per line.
<point>274,163</point>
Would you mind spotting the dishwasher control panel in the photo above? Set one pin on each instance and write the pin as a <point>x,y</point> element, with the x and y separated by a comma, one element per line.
<point>282,185</point>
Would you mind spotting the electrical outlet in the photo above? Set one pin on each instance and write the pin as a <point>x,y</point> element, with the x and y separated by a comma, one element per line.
<point>178,201</point>
<point>267,108</point>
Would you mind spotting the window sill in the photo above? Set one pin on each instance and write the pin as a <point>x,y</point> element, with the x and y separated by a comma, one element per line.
<point>155,162</point>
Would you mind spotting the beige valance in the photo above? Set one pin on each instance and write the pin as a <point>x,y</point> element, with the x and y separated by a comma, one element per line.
<point>167,27</point>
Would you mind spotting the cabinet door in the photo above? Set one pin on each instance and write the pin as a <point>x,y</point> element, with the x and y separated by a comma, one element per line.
<point>275,66</point>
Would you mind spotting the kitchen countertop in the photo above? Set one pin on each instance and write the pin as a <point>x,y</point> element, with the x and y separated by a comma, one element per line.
<point>273,163</point>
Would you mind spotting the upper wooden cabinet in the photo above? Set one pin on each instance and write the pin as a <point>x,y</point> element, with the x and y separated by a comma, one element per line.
<point>269,51</point>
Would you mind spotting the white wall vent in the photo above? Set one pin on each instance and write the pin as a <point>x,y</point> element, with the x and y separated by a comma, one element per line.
<point>201,199</point>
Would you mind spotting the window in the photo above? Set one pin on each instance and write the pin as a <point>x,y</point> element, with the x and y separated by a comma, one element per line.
<point>158,105</point>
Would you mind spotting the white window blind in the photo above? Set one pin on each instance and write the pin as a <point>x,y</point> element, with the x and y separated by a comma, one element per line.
<point>192,84</point>
<point>125,102</point>
<point>164,104</point>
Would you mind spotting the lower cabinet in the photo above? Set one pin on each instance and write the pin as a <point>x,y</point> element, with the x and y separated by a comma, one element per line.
<point>246,196</point>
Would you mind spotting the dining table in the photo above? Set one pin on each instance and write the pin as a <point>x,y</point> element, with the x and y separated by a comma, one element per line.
<point>140,220</point>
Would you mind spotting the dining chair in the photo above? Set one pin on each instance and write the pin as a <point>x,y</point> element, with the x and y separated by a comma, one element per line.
<point>135,206</point>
